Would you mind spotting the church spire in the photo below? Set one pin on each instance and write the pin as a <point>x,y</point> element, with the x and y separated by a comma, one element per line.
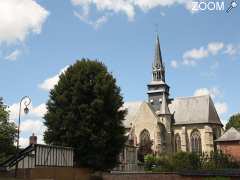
<point>158,66</point>
<point>158,88</point>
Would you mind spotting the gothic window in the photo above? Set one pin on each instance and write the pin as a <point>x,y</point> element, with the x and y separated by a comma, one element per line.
<point>144,137</point>
<point>145,146</point>
<point>177,143</point>
<point>196,144</point>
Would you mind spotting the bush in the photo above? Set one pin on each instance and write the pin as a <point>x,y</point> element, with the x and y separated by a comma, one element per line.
<point>186,161</point>
<point>218,160</point>
<point>161,163</point>
<point>149,162</point>
<point>182,161</point>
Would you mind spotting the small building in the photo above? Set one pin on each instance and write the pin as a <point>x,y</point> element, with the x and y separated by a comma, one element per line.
<point>38,156</point>
<point>229,143</point>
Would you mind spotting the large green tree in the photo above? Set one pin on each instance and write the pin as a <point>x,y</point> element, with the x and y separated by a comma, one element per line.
<point>7,133</point>
<point>84,112</point>
<point>234,121</point>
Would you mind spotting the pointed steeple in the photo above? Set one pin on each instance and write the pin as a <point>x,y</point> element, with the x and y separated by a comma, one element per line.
<point>158,56</point>
<point>158,66</point>
<point>158,86</point>
<point>164,109</point>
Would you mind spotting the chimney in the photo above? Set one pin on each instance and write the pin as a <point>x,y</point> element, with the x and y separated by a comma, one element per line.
<point>32,139</point>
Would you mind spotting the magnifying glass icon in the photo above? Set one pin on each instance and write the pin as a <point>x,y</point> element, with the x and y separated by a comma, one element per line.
<point>232,5</point>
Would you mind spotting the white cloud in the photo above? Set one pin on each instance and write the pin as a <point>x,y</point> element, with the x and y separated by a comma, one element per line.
<point>95,24</point>
<point>39,111</point>
<point>49,83</point>
<point>127,7</point>
<point>36,112</point>
<point>190,56</point>
<point>232,49</point>
<point>116,6</point>
<point>35,126</point>
<point>174,64</point>
<point>221,107</point>
<point>13,55</point>
<point>19,18</point>
<point>215,47</point>
<point>213,92</point>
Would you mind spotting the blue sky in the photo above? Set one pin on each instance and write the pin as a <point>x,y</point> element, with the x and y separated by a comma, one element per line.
<point>40,38</point>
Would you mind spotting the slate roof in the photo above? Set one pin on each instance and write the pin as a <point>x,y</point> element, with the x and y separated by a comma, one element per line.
<point>230,135</point>
<point>194,110</point>
<point>188,110</point>
<point>132,110</point>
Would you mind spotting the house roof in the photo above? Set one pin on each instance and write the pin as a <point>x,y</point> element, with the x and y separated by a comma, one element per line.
<point>230,135</point>
<point>188,110</point>
<point>194,110</point>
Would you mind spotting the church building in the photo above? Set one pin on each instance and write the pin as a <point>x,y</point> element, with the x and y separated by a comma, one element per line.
<point>166,125</point>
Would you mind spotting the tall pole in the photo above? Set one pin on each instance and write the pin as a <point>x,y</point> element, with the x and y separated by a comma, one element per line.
<point>27,101</point>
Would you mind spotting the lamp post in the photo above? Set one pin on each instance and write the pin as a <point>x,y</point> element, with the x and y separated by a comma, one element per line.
<point>27,102</point>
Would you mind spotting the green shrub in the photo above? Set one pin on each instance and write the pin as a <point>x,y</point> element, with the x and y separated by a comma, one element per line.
<point>189,161</point>
<point>218,160</point>
<point>149,162</point>
<point>186,161</point>
<point>158,163</point>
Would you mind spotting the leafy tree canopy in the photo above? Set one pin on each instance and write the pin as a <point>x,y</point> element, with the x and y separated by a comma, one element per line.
<point>84,112</point>
<point>234,121</point>
<point>7,133</point>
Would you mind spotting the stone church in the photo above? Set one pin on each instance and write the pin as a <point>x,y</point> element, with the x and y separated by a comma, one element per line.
<point>166,125</point>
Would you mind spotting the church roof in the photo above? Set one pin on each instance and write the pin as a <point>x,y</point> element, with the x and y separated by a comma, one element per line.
<point>230,135</point>
<point>194,110</point>
<point>188,110</point>
<point>132,110</point>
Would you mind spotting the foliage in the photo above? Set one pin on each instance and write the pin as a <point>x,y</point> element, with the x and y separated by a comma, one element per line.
<point>7,133</point>
<point>186,161</point>
<point>158,163</point>
<point>182,161</point>
<point>218,160</point>
<point>234,121</point>
<point>84,112</point>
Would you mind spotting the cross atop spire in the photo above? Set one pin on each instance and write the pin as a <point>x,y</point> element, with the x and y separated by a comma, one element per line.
<point>158,66</point>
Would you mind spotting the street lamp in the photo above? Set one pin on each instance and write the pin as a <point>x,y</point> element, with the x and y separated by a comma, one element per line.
<point>26,100</point>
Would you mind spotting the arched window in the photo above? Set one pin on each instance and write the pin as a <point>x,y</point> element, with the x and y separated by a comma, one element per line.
<point>145,145</point>
<point>196,144</point>
<point>177,143</point>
